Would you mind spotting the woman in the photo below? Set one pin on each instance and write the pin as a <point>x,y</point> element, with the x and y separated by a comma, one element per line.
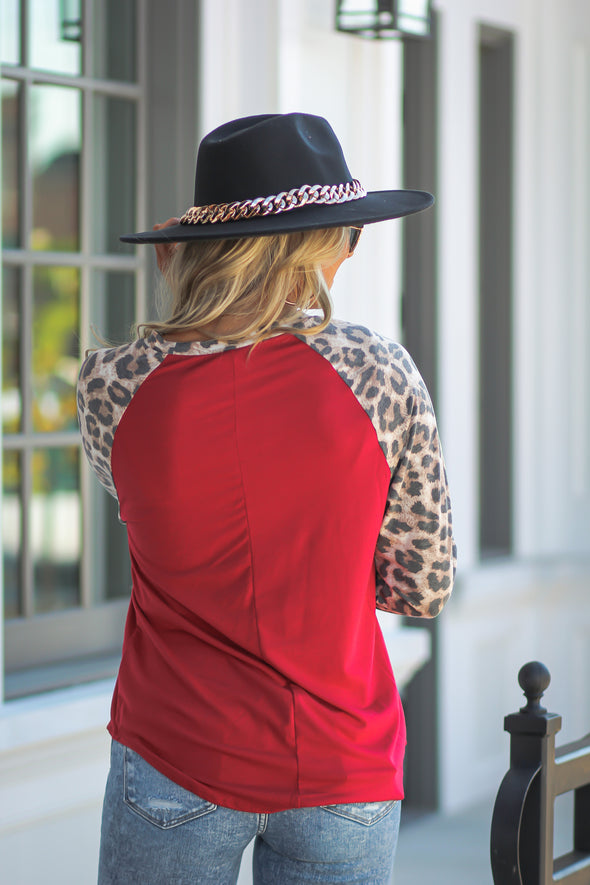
<point>280,476</point>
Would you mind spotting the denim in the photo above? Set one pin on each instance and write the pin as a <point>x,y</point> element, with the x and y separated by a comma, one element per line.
<point>155,832</point>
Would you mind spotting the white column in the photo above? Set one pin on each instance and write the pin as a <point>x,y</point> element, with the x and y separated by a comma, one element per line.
<point>239,60</point>
<point>527,199</point>
<point>458,249</point>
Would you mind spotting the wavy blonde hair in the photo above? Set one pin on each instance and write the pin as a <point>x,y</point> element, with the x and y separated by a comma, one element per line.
<point>262,283</point>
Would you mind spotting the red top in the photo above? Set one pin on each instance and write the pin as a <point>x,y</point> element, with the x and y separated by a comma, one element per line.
<point>254,486</point>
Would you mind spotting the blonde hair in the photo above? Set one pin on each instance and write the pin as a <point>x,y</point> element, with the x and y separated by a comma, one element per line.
<point>262,283</point>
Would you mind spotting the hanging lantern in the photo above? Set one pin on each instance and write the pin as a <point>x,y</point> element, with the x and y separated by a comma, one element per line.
<point>384,19</point>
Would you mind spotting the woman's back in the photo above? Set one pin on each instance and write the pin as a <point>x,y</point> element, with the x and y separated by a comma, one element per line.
<point>253,483</point>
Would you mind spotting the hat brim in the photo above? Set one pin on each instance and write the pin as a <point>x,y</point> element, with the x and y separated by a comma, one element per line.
<point>376,206</point>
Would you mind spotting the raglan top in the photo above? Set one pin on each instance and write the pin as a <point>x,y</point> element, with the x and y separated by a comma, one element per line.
<point>274,496</point>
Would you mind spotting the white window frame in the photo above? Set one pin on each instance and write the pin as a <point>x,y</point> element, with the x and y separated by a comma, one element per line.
<point>41,648</point>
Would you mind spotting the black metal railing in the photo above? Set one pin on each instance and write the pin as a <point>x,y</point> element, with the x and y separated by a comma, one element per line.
<point>522,823</point>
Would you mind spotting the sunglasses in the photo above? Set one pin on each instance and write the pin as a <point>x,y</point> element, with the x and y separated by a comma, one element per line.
<point>355,233</point>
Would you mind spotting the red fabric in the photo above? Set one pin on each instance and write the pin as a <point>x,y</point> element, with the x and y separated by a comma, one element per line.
<point>254,672</point>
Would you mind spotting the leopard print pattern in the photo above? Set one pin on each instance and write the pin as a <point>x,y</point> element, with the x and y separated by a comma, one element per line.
<point>107,381</point>
<point>415,558</point>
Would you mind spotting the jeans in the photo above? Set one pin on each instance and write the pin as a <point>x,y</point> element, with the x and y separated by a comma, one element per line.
<point>154,832</point>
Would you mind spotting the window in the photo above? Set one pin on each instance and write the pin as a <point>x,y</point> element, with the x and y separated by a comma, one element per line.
<point>72,105</point>
<point>496,133</point>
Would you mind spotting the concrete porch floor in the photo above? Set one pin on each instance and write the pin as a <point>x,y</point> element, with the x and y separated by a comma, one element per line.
<point>440,849</point>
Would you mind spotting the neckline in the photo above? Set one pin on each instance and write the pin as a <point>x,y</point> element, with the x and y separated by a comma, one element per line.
<point>216,345</point>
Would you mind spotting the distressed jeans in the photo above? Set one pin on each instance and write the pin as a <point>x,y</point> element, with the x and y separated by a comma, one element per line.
<point>154,832</point>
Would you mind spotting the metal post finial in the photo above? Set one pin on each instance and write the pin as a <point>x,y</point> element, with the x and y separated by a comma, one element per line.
<point>534,679</point>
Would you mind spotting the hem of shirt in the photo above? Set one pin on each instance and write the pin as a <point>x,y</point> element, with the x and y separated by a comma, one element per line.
<point>227,799</point>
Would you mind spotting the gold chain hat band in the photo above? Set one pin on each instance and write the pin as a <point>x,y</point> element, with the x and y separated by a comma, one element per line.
<point>305,195</point>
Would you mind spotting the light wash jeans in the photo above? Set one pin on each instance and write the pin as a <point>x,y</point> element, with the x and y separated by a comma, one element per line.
<point>157,833</point>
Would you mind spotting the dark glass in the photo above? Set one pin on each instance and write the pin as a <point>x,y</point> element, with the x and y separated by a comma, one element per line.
<point>114,29</point>
<point>355,233</point>
<point>115,165</point>
<point>112,306</point>
<point>56,529</point>
<point>112,314</point>
<point>55,137</point>
<point>117,578</point>
<point>10,32</point>
<point>11,351</point>
<point>10,163</point>
<point>11,532</point>
<point>56,348</point>
<point>55,35</point>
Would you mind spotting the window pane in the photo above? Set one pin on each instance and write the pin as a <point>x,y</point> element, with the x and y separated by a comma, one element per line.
<point>113,305</point>
<point>117,567</point>
<point>115,172</point>
<point>54,37</point>
<point>12,533</point>
<point>55,348</point>
<point>55,130</point>
<point>11,348</point>
<point>10,32</point>
<point>112,313</point>
<point>10,163</point>
<point>55,529</point>
<point>113,36</point>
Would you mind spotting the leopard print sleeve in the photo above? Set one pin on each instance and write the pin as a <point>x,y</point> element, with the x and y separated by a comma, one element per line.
<point>415,555</point>
<point>107,381</point>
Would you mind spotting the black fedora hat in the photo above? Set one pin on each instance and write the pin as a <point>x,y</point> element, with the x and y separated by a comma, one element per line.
<point>278,173</point>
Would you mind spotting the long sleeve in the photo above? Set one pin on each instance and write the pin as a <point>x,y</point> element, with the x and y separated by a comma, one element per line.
<point>415,556</point>
<point>107,382</point>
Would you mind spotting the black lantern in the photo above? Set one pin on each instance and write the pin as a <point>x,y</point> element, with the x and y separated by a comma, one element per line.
<point>384,19</point>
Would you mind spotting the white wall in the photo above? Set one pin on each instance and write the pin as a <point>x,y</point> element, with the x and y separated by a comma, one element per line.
<point>503,617</point>
<point>536,605</point>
